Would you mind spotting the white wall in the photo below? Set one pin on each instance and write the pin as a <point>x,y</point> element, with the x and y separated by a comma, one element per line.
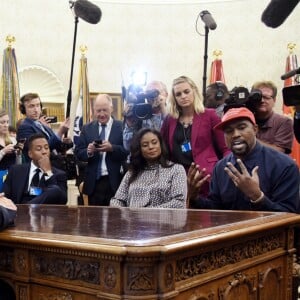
<point>159,37</point>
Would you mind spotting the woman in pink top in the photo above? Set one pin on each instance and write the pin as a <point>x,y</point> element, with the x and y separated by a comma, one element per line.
<point>188,130</point>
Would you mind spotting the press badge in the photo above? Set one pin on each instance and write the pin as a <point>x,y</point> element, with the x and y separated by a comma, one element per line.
<point>186,147</point>
<point>35,191</point>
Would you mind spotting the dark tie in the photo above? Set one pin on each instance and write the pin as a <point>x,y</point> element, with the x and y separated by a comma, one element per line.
<point>101,137</point>
<point>35,181</point>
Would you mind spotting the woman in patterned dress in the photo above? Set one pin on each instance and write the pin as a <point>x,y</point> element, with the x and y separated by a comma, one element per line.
<point>151,180</point>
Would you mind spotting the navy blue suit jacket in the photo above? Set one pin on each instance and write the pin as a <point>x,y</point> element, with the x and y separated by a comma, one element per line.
<point>114,159</point>
<point>16,184</point>
<point>28,128</point>
<point>7,217</point>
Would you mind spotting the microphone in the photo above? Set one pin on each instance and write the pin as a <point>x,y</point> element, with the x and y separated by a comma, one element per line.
<point>290,74</point>
<point>277,11</point>
<point>208,20</point>
<point>87,11</point>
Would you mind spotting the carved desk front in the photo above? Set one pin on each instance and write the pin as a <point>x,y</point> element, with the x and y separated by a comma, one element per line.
<point>79,253</point>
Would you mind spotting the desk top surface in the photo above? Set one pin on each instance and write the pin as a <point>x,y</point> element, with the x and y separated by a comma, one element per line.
<point>135,227</point>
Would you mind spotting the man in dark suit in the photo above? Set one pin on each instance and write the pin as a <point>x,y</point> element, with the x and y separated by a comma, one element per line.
<point>36,182</point>
<point>7,212</point>
<point>101,145</point>
<point>34,122</point>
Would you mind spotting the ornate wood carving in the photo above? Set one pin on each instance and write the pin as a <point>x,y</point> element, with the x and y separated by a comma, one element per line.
<point>21,257</point>
<point>6,259</point>
<point>110,277</point>
<point>22,292</point>
<point>140,278</point>
<point>56,296</point>
<point>67,268</point>
<point>169,276</point>
<point>238,280</point>
<point>208,261</point>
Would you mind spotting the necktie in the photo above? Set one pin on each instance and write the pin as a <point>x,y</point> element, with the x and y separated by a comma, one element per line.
<point>35,181</point>
<point>101,137</point>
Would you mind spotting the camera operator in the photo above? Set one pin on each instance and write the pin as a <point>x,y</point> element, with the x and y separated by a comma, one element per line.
<point>215,96</point>
<point>157,114</point>
<point>275,130</point>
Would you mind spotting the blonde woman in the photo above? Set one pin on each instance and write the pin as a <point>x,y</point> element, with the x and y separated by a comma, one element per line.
<point>188,131</point>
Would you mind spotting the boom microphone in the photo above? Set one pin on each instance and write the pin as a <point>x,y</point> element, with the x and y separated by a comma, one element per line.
<point>208,20</point>
<point>87,11</point>
<point>277,11</point>
<point>290,74</point>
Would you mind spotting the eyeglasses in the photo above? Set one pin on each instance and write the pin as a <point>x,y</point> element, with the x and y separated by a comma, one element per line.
<point>267,97</point>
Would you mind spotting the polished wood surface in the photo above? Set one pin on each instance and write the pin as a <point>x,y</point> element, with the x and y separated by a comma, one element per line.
<point>120,253</point>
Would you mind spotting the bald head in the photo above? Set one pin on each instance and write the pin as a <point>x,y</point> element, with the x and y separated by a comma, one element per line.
<point>103,108</point>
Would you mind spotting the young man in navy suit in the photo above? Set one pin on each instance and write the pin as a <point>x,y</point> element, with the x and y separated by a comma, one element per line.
<point>101,145</point>
<point>31,106</point>
<point>36,182</point>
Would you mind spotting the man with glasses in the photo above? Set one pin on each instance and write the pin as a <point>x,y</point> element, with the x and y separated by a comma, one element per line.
<point>275,130</point>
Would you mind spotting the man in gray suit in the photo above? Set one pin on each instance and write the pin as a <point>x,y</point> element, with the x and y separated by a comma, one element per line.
<point>101,145</point>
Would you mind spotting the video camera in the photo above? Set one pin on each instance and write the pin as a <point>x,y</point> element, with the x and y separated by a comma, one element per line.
<point>291,95</point>
<point>241,97</point>
<point>139,103</point>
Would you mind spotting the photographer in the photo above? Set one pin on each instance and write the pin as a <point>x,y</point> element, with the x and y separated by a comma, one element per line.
<point>156,94</point>
<point>275,130</point>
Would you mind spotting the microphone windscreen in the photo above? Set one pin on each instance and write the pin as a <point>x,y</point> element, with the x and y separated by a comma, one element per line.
<point>277,11</point>
<point>87,11</point>
<point>208,20</point>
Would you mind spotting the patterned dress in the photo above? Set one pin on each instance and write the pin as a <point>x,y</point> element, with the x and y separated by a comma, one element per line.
<point>154,187</point>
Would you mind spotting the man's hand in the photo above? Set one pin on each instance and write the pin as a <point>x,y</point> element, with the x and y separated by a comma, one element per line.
<point>248,184</point>
<point>45,164</point>
<point>195,179</point>
<point>7,203</point>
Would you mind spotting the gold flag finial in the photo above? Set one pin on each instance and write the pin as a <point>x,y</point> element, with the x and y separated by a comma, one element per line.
<point>291,47</point>
<point>10,39</point>
<point>217,54</point>
<point>83,49</point>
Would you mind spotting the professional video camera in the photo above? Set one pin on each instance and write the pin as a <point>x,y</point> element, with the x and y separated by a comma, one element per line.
<point>139,103</point>
<point>291,95</point>
<point>241,97</point>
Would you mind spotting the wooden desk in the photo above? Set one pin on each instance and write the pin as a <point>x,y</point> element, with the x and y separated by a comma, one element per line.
<point>79,253</point>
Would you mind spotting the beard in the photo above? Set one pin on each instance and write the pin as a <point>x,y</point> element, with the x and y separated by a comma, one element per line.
<point>240,150</point>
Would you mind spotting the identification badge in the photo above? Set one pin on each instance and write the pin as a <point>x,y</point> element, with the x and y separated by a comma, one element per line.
<point>186,147</point>
<point>35,191</point>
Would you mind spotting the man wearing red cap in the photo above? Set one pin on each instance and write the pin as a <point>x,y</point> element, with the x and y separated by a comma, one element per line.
<point>252,177</point>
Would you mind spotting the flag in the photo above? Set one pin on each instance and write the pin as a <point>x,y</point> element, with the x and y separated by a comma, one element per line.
<point>216,71</point>
<point>10,92</point>
<point>81,106</point>
<point>291,64</point>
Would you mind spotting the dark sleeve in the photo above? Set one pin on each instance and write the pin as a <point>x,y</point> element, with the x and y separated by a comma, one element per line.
<point>59,178</point>
<point>7,217</point>
<point>297,129</point>
<point>82,144</point>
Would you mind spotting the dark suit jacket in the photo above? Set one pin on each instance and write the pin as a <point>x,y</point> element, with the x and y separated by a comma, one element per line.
<point>16,184</point>
<point>297,129</point>
<point>28,128</point>
<point>114,159</point>
<point>6,217</point>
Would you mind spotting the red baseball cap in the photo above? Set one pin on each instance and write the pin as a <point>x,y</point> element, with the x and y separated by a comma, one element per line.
<point>234,114</point>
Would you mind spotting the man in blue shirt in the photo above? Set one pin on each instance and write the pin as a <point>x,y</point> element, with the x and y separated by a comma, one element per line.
<point>252,177</point>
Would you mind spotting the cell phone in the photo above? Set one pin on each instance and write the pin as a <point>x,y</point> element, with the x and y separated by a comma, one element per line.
<point>51,119</point>
<point>97,143</point>
<point>291,95</point>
